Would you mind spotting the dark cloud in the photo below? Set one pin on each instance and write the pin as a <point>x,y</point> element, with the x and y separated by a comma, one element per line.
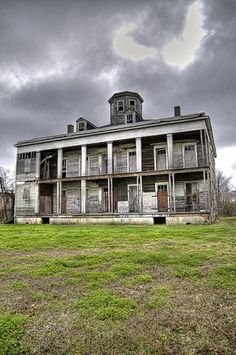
<point>53,54</point>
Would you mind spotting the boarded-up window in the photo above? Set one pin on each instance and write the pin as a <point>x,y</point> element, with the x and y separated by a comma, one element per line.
<point>189,156</point>
<point>27,165</point>
<point>160,158</point>
<point>131,164</point>
<point>26,193</point>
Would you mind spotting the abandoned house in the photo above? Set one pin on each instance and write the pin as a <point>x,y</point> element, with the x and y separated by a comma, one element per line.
<point>133,170</point>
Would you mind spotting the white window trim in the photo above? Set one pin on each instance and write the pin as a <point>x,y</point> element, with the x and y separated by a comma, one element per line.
<point>66,160</point>
<point>168,194</point>
<point>159,146</point>
<point>126,119</point>
<point>134,104</point>
<point>128,151</point>
<point>118,105</point>
<point>183,152</point>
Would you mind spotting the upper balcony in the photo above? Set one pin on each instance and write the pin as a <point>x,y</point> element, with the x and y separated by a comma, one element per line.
<point>153,154</point>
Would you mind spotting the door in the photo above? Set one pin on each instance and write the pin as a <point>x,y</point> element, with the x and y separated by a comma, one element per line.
<point>192,197</point>
<point>189,156</point>
<point>162,198</point>
<point>105,199</point>
<point>133,198</point>
<point>160,158</point>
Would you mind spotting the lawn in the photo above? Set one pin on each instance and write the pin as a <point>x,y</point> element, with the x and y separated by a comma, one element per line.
<point>102,289</point>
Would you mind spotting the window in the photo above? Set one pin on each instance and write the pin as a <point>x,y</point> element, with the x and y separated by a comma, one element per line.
<point>189,147</point>
<point>64,166</point>
<point>131,103</point>
<point>189,155</point>
<point>26,193</point>
<point>132,153</point>
<point>81,126</point>
<point>160,158</point>
<point>120,105</point>
<point>130,118</point>
<point>28,155</point>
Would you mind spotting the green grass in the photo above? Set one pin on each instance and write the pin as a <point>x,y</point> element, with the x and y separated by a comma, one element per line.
<point>118,289</point>
<point>12,329</point>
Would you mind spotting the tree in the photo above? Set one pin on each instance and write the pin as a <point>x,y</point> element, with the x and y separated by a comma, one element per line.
<point>7,182</point>
<point>224,192</point>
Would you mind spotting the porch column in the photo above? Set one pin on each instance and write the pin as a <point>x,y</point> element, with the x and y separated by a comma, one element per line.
<point>109,158</point>
<point>58,197</point>
<point>83,182</point>
<point>83,195</point>
<point>37,172</point>
<point>138,143</point>
<point>173,189</point>
<point>84,160</point>
<point>170,193</point>
<point>170,150</point>
<point>36,206</point>
<point>59,162</point>
<point>206,147</point>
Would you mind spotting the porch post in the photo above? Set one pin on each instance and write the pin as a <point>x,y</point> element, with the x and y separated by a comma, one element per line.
<point>36,206</point>
<point>58,197</point>
<point>37,177</point>
<point>174,201</point>
<point>170,194</point>
<point>37,172</point>
<point>59,162</point>
<point>109,158</point>
<point>138,143</point>
<point>83,160</point>
<point>170,150</point>
<point>109,194</point>
<point>83,182</point>
<point>83,195</point>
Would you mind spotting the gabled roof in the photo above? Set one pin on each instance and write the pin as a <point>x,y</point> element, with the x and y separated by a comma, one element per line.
<point>125,93</point>
<point>84,119</point>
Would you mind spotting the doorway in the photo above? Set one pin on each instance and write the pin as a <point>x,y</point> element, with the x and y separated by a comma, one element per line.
<point>133,198</point>
<point>162,197</point>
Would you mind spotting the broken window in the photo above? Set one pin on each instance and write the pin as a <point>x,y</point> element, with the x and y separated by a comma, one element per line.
<point>64,167</point>
<point>120,105</point>
<point>189,155</point>
<point>81,126</point>
<point>130,118</point>
<point>26,193</point>
<point>131,103</point>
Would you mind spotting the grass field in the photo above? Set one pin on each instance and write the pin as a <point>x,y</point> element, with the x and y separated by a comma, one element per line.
<point>118,289</point>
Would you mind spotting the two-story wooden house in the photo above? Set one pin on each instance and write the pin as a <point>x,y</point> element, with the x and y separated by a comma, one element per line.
<point>132,170</point>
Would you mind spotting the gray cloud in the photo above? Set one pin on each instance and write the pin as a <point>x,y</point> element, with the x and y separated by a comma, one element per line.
<point>52,54</point>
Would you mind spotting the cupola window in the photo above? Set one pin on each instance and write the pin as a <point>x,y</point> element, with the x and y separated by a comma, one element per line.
<point>120,105</point>
<point>132,104</point>
<point>130,118</point>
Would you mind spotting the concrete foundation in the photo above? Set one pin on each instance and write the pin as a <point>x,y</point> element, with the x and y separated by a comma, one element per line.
<point>118,219</point>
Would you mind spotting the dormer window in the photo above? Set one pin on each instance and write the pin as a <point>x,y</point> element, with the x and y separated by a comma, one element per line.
<point>130,118</point>
<point>81,126</point>
<point>120,105</point>
<point>132,104</point>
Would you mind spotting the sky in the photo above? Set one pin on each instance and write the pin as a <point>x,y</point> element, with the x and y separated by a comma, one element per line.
<point>62,59</point>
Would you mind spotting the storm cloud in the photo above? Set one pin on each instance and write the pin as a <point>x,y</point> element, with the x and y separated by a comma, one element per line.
<point>64,59</point>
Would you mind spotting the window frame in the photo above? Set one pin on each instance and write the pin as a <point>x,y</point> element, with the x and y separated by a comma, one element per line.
<point>160,146</point>
<point>123,105</point>
<point>183,153</point>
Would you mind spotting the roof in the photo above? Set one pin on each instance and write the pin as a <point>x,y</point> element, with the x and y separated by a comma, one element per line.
<point>122,127</point>
<point>125,93</point>
<point>84,119</point>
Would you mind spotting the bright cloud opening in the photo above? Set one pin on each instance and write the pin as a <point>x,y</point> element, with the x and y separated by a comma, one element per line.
<point>181,51</point>
<point>126,47</point>
<point>225,161</point>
